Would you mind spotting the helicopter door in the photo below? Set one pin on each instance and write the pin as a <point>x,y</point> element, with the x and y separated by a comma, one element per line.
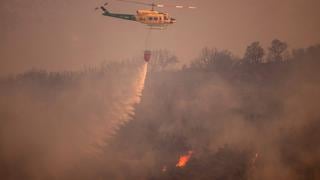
<point>162,19</point>
<point>150,19</point>
<point>155,19</point>
<point>142,19</point>
<point>166,18</point>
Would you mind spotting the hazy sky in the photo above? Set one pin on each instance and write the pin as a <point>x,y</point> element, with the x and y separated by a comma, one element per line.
<point>69,34</point>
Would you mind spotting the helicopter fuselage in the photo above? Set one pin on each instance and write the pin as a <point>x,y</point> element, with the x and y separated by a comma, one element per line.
<point>154,18</point>
<point>149,17</point>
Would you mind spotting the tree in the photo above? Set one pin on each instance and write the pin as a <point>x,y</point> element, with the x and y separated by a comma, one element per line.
<point>213,59</point>
<point>205,60</point>
<point>277,50</point>
<point>162,60</point>
<point>254,53</point>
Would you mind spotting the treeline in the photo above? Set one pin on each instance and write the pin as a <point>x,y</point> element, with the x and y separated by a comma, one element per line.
<point>213,59</point>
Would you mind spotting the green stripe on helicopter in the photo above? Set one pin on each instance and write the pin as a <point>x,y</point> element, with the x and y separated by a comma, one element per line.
<point>121,16</point>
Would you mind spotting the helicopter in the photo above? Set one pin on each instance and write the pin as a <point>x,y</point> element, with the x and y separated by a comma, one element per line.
<point>152,18</point>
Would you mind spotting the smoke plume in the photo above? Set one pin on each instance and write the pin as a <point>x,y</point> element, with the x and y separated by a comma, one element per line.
<point>50,122</point>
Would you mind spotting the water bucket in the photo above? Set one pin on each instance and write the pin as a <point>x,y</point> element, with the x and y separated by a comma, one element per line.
<point>147,55</point>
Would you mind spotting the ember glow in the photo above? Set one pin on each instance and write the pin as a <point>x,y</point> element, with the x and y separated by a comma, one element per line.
<point>164,169</point>
<point>183,160</point>
<point>256,156</point>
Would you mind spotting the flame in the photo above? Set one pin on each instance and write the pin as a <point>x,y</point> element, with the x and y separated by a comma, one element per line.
<point>183,160</point>
<point>164,169</point>
<point>254,160</point>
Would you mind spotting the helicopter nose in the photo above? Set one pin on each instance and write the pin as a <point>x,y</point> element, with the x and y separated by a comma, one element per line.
<point>172,20</point>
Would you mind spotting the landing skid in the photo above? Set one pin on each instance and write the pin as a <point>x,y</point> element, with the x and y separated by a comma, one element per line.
<point>157,27</point>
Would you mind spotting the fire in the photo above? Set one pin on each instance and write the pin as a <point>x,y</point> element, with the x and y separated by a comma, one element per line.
<point>183,160</point>
<point>164,169</point>
<point>254,159</point>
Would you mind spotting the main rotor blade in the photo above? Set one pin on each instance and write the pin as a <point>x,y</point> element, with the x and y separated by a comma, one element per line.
<point>136,2</point>
<point>175,6</point>
<point>156,5</point>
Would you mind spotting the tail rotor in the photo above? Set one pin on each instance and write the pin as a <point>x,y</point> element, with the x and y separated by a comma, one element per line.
<point>103,7</point>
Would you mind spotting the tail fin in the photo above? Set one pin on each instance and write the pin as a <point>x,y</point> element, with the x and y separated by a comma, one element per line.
<point>104,9</point>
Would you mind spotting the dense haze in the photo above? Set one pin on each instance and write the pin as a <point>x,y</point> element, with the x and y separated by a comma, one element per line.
<point>52,122</point>
<point>250,118</point>
<point>69,34</point>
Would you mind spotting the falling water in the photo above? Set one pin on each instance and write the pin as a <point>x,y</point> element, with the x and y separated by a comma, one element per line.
<point>123,109</point>
<point>135,98</point>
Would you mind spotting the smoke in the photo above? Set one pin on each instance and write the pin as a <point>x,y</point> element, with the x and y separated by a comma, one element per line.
<point>249,121</point>
<point>226,119</point>
<point>53,122</point>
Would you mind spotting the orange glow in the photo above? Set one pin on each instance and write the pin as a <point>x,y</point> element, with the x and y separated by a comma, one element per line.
<point>164,169</point>
<point>183,160</point>
<point>255,158</point>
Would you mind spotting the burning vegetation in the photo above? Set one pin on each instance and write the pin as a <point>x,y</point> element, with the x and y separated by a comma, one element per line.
<point>183,160</point>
